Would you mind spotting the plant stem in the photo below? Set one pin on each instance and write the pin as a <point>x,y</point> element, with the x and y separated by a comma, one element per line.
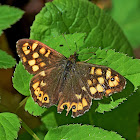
<point>21,103</point>
<point>28,130</point>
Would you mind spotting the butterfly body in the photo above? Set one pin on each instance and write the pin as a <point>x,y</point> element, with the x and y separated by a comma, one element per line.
<point>63,81</point>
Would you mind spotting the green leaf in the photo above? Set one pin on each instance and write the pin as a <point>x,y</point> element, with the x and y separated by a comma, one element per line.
<point>49,120</point>
<point>9,126</point>
<point>80,16</point>
<point>8,16</point>
<point>6,61</point>
<point>33,108</point>
<point>66,44</point>
<point>107,107</point>
<point>128,17</point>
<point>21,80</point>
<point>73,132</point>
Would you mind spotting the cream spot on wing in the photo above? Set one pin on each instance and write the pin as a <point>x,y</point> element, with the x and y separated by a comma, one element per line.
<point>35,55</point>
<point>42,83</point>
<point>45,98</point>
<point>98,72</point>
<point>108,91</point>
<point>93,90</point>
<point>48,53</point>
<point>108,73</point>
<point>92,70</point>
<point>99,88</point>
<point>78,96</point>
<point>101,80</point>
<point>35,68</point>
<point>26,44</point>
<point>34,46</point>
<point>35,85</point>
<point>113,83</point>
<point>94,81</point>
<point>24,48</point>
<point>117,78</point>
<point>31,62</point>
<point>24,59</point>
<point>42,50</point>
<point>27,52</point>
<point>84,102</point>
<point>80,106</point>
<point>42,73</point>
<point>89,82</point>
<point>36,92</point>
<point>42,64</point>
<point>84,88</point>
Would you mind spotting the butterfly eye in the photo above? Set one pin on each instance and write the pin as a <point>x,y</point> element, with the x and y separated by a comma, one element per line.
<point>28,47</point>
<point>39,95</point>
<point>73,107</point>
<point>65,106</point>
<point>45,99</point>
<point>112,79</point>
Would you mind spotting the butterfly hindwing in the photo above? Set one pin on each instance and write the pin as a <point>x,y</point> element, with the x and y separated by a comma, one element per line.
<point>73,96</point>
<point>37,56</point>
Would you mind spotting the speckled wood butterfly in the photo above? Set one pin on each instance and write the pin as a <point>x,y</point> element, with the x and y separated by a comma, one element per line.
<point>63,81</point>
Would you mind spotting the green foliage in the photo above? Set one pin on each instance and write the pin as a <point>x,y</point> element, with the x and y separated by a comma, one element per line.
<point>107,57</point>
<point>74,132</point>
<point>128,17</point>
<point>61,16</point>
<point>107,107</point>
<point>94,29</point>
<point>8,16</point>
<point>9,126</point>
<point>6,61</point>
<point>21,80</point>
<point>33,108</point>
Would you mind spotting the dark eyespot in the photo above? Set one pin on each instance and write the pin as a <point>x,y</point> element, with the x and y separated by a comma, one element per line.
<point>45,99</point>
<point>65,106</point>
<point>112,79</point>
<point>73,107</point>
<point>39,95</point>
<point>28,47</point>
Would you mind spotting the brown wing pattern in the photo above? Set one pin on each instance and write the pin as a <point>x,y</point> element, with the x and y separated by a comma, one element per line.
<point>44,86</point>
<point>36,56</point>
<point>100,80</point>
<point>74,97</point>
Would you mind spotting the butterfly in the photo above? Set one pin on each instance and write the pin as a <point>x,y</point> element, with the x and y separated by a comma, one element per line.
<point>64,81</point>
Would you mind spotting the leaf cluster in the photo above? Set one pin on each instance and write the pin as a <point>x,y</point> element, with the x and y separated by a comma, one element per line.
<point>87,30</point>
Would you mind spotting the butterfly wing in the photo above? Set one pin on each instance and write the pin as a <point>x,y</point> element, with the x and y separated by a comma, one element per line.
<point>37,56</point>
<point>44,86</point>
<point>100,80</point>
<point>73,96</point>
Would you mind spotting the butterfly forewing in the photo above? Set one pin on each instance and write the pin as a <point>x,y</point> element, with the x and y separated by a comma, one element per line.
<point>44,86</point>
<point>37,56</point>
